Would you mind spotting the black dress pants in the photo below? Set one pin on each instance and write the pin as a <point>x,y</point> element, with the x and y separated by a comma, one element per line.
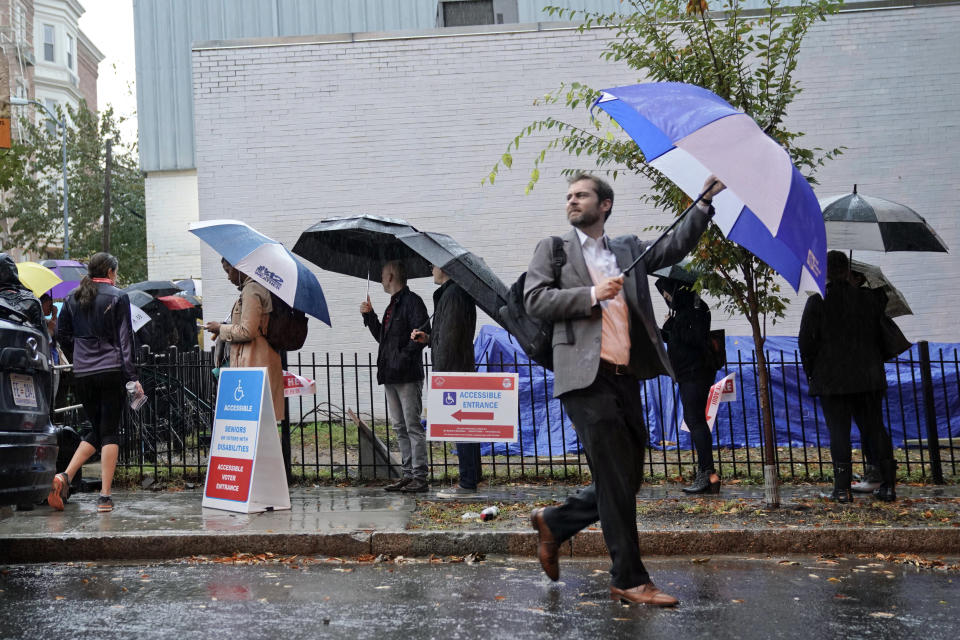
<point>609,422</point>
<point>867,409</point>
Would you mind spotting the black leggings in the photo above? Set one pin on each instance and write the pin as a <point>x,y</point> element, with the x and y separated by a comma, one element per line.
<point>102,397</point>
<point>693,397</point>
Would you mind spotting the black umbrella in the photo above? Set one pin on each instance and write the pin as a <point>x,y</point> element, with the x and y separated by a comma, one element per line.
<point>154,287</point>
<point>359,246</point>
<point>466,269</point>
<point>140,298</point>
<point>680,272</point>
<point>896,304</point>
<point>855,221</point>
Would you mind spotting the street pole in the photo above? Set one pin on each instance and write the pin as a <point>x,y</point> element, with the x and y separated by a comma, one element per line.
<point>66,191</point>
<point>106,196</point>
<point>63,143</point>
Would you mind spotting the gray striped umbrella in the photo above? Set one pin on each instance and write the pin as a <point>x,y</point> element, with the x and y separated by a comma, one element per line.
<point>855,221</point>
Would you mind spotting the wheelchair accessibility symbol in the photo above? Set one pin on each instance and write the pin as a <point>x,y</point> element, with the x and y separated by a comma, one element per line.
<point>238,392</point>
<point>449,398</point>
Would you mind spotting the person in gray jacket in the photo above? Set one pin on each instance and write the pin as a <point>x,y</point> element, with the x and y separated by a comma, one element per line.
<point>605,339</point>
<point>94,330</point>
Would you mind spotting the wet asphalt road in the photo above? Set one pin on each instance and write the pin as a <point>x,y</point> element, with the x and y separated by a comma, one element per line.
<point>724,597</point>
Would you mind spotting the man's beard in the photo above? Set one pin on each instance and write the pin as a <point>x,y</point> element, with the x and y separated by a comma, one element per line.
<point>583,219</point>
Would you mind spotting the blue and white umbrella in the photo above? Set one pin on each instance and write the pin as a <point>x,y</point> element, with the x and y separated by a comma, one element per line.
<point>687,133</point>
<point>266,261</point>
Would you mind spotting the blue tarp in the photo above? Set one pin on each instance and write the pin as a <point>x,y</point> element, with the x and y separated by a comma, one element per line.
<point>798,420</point>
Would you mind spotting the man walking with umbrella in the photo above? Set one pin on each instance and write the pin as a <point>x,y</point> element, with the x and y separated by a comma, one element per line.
<point>605,338</point>
<point>451,344</point>
<point>400,372</point>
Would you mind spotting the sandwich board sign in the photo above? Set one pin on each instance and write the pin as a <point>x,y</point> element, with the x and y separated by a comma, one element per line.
<point>472,407</point>
<point>245,471</point>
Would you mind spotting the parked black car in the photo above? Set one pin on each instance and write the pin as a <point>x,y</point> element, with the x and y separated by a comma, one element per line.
<point>28,441</point>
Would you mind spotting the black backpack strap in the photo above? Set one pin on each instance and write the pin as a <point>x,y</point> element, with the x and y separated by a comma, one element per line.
<point>560,259</point>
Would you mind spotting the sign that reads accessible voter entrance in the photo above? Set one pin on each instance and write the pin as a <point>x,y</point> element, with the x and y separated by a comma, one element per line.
<point>245,472</point>
<point>472,407</point>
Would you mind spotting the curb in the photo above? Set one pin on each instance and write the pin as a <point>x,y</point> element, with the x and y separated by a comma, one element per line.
<point>443,543</point>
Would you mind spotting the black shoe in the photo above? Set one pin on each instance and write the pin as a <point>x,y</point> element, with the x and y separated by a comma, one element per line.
<point>398,485</point>
<point>887,491</point>
<point>416,485</point>
<point>702,483</point>
<point>842,475</point>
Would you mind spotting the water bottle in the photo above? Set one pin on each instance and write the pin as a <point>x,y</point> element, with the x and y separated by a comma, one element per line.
<point>489,513</point>
<point>136,398</point>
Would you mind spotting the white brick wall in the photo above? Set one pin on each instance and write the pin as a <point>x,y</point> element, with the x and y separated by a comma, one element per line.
<point>287,135</point>
<point>171,202</point>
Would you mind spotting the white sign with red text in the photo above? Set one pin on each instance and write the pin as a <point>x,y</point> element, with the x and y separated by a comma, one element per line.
<point>294,385</point>
<point>245,471</point>
<point>472,407</point>
<point>722,391</point>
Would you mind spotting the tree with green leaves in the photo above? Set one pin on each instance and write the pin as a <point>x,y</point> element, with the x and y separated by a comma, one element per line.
<point>33,202</point>
<point>746,57</point>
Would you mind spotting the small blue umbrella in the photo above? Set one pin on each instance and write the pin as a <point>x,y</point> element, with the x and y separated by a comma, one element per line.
<point>266,261</point>
<point>687,133</point>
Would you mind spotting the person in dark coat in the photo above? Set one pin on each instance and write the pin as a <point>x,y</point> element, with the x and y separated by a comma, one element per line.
<point>400,372</point>
<point>687,333</point>
<point>451,344</point>
<point>841,348</point>
<point>18,296</point>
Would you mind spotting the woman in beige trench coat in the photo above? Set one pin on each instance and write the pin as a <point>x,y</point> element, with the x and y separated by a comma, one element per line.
<point>246,331</point>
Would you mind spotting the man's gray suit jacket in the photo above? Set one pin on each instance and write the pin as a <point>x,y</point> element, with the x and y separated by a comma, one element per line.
<point>577,324</point>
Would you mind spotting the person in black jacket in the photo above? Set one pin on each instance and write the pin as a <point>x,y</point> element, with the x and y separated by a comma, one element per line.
<point>18,296</point>
<point>686,332</point>
<point>451,344</point>
<point>400,372</point>
<point>841,348</point>
<point>95,332</point>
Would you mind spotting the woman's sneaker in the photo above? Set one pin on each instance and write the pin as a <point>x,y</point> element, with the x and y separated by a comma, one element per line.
<point>104,504</point>
<point>59,491</point>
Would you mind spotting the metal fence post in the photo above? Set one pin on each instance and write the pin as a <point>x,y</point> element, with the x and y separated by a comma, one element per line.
<point>285,425</point>
<point>933,439</point>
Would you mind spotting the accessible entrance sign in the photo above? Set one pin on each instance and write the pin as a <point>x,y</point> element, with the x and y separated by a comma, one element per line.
<point>245,471</point>
<point>472,407</point>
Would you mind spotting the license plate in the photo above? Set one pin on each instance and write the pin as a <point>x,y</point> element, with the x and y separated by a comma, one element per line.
<point>24,392</point>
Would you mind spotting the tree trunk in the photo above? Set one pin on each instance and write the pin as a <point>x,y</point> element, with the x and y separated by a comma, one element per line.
<point>771,481</point>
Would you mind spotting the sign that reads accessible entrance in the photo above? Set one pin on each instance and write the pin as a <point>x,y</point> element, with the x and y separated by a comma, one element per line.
<point>472,407</point>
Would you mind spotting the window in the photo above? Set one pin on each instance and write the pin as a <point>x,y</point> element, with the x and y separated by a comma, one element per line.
<point>467,12</point>
<point>20,23</point>
<point>51,123</point>
<point>48,42</point>
<point>71,51</point>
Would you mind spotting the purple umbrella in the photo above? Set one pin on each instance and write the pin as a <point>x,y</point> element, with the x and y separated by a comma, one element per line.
<point>70,271</point>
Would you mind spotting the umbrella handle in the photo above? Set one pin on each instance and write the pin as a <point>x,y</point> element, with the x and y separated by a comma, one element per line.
<point>667,230</point>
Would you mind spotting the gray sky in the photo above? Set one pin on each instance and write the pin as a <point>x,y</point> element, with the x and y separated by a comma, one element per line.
<point>109,25</point>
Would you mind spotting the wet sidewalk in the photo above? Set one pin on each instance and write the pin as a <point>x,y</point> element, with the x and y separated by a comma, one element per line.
<point>354,521</point>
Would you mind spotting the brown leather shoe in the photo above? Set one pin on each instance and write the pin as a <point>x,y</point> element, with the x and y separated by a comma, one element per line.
<point>643,594</point>
<point>548,550</point>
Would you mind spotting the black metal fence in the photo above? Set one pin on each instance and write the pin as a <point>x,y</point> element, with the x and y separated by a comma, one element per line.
<point>170,436</point>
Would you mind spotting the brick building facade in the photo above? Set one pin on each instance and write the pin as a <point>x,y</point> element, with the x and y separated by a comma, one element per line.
<point>292,130</point>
